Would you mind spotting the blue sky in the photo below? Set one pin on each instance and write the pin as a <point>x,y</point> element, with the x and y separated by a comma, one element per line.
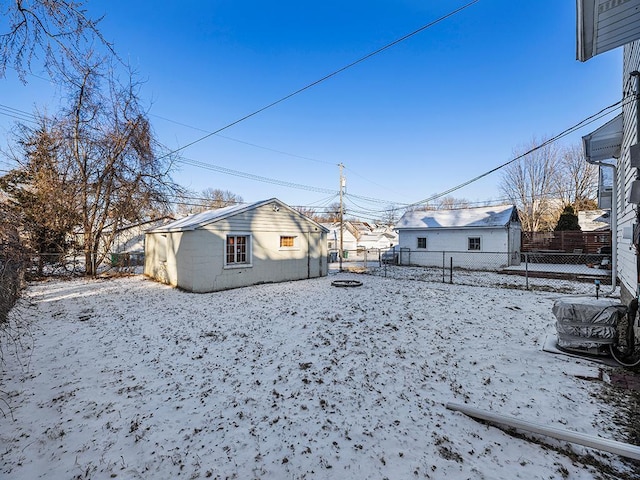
<point>430,113</point>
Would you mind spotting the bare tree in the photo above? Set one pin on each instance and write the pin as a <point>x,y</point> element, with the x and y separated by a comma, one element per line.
<point>391,215</point>
<point>308,212</point>
<point>106,164</point>
<point>577,182</point>
<point>331,213</point>
<point>451,203</point>
<point>209,199</point>
<point>217,198</point>
<point>115,158</point>
<point>58,32</point>
<point>530,184</point>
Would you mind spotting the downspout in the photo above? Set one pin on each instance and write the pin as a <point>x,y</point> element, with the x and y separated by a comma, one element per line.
<point>614,223</point>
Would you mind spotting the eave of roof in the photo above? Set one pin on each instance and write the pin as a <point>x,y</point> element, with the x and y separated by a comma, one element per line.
<point>199,220</point>
<point>472,218</point>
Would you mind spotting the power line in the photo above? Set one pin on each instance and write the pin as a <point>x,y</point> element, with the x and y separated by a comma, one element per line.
<point>602,113</point>
<point>326,77</point>
<point>17,114</point>
<point>254,177</point>
<point>293,155</point>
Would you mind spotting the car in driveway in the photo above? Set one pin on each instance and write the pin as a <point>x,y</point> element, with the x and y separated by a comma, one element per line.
<point>390,256</point>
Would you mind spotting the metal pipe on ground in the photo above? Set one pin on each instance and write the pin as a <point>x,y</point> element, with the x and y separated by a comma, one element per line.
<point>611,446</point>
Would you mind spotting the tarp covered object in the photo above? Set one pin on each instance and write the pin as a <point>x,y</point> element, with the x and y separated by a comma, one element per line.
<point>587,322</point>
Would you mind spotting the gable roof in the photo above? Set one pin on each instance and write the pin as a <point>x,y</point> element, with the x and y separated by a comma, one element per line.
<point>199,220</point>
<point>483,217</point>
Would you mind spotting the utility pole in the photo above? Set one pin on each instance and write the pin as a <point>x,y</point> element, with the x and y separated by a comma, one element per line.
<point>342,184</point>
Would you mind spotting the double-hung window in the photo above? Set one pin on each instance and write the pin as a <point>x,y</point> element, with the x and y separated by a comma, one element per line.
<point>238,250</point>
<point>422,242</point>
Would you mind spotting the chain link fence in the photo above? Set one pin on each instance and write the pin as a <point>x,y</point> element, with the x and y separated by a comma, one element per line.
<point>73,264</point>
<point>578,273</point>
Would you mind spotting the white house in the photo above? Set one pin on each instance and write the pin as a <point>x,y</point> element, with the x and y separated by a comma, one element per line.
<point>594,220</point>
<point>615,146</point>
<point>378,240</point>
<point>358,237</point>
<point>485,237</point>
<point>237,246</point>
<point>127,246</point>
<point>349,241</point>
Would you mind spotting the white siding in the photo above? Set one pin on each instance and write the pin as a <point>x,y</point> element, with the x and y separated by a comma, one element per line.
<point>626,211</point>
<point>494,253</point>
<point>196,258</point>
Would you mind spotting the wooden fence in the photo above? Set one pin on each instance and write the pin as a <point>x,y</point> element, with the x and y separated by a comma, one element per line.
<point>567,242</point>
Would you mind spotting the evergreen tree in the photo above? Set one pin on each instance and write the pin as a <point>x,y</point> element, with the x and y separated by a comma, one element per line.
<point>568,220</point>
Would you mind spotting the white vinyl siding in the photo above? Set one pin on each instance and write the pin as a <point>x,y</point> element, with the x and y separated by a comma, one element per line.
<point>474,244</point>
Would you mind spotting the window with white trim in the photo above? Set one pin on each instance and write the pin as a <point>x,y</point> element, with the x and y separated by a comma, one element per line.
<point>238,247</point>
<point>422,242</point>
<point>474,243</point>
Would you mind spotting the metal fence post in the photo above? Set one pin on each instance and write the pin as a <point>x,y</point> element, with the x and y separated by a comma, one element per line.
<point>443,266</point>
<point>451,270</point>
<point>526,270</point>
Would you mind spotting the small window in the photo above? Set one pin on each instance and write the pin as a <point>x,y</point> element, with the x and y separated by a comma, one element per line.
<point>422,242</point>
<point>474,243</point>
<point>287,242</point>
<point>238,249</point>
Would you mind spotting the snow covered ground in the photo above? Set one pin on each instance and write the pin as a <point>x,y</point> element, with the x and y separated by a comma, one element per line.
<point>127,378</point>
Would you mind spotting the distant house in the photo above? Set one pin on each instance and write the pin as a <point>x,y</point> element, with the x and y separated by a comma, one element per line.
<point>237,246</point>
<point>123,246</point>
<point>486,237</point>
<point>349,241</point>
<point>594,220</point>
<point>359,236</point>
<point>372,236</point>
<point>127,246</point>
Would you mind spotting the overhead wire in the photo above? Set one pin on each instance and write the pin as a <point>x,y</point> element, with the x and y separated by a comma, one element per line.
<point>602,113</point>
<point>257,178</point>
<point>17,114</point>
<point>325,78</point>
<point>244,142</point>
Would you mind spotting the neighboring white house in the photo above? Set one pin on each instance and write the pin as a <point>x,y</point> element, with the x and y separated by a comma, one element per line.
<point>486,237</point>
<point>604,25</point>
<point>237,246</point>
<point>127,246</point>
<point>359,236</point>
<point>349,241</point>
<point>378,240</point>
<point>594,220</point>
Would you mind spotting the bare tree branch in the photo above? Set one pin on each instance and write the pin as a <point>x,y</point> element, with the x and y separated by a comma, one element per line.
<point>57,32</point>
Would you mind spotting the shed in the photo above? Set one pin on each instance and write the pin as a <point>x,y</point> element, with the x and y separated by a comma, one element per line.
<point>484,237</point>
<point>237,246</point>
